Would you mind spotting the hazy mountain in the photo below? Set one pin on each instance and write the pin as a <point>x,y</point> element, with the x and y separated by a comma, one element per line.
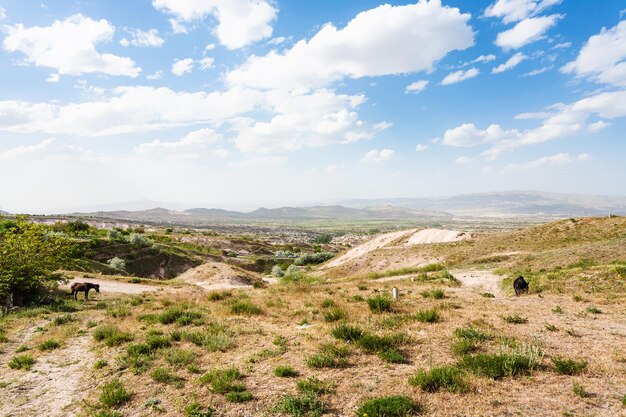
<point>509,203</point>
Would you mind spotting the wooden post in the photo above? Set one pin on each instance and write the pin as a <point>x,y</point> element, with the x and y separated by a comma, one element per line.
<point>394,293</point>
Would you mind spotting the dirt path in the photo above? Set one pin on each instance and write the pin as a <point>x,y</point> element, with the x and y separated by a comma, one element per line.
<point>115,287</point>
<point>483,281</point>
<point>54,386</point>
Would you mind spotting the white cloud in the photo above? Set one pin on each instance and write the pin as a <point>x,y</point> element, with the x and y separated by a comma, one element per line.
<point>484,58</point>
<point>48,148</point>
<point>526,31</point>
<point>562,121</point>
<point>421,147</point>
<point>53,78</point>
<point>239,22</point>
<point>376,155</point>
<point>463,160</point>
<point>515,10</point>
<point>554,160</point>
<point>277,41</point>
<point>182,66</point>
<point>127,110</point>
<point>416,86</point>
<point>257,161</point>
<point>538,71</point>
<point>512,62</point>
<point>382,41</point>
<point>458,76</point>
<point>69,46</point>
<point>195,144</point>
<point>562,45</point>
<point>303,120</point>
<point>206,63</point>
<point>3,13</point>
<point>335,168</point>
<point>142,38</point>
<point>209,47</point>
<point>603,57</point>
<point>155,75</point>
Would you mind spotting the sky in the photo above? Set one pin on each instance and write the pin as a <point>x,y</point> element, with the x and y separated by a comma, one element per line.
<point>246,103</point>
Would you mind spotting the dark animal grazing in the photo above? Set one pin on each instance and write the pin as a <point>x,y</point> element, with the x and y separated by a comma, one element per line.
<point>83,287</point>
<point>520,285</point>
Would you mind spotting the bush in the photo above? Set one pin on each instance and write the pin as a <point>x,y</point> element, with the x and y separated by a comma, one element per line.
<point>314,386</point>
<point>64,319</point>
<point>164,376</point>
<point>24,362</point>
<point>347,333</point>
<point>496,366</point>
<point>322,239</point>
<point>285,372</point>
<point>334,314</point>
<point>379,304</point>
<point>515,319</point>
<point>427,316</point>
<point>49,344</point>
<point>245,308</point>
<point>176,314</point>
<point>450,378</point>
<point>223,381</point>
<point>463,347</point>
<point>313,258</point>
<point>196,410</point>
<point>117,263</point>
<point>329,356</point>
<point>180,357</point>
<point>214,338</point>
<point>306,404</point>
<point>437,294</point>
<point>139,240</point>
<point>219,295</point>
<point>293,275</point>
<point>239,396</point>
<point>569,366</point>
<point>392,406</point>
<point>113,394</point>
<point>100,363</point>
<point>111,335</point>
<point>277,271</point>
<point>155,341</point>
<point>471,333</point>
<point>371,343</point>
<point>327,302</point>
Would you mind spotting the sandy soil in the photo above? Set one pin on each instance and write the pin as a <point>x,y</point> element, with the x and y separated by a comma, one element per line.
<point>436,236</point>
<point>216,275</point>
<point>482,281</point>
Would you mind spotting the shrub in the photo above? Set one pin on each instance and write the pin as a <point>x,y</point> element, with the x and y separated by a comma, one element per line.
<point>313,258</point>
<point>347,333</point>
<point>196,410</point>
<point>334,314</point>
<point>463,347</point>
<point>100,363</point>
<point>322,239</point>
<point>520,361</point>
<point>177,314</point>
<point>24,362</point>
<point>393,355</point>
<point>569,366</point>
<point>245,308</point>
<point>427,316</point>
<point>379,304</point>
<point>579,390</point>
<point>327,302</point>
<point>113,394</point>
<point>371,343</point>
<point>594,310</point>
<point>138,349</point>
<point>239,396</point>
<point>64,319</point>
<point>111,335</point>
<point>437,294</point>
<point>450,378</point>
<point>313,385</point>
<point>392,406</point>
<point>471,333</point>
<point>329,356</point>
<point>214,338</point>
<point>515,319</point>
<point>49,344</point>
<point>277,271</point>
<point>219,295</point>
<point>306,404</point>
<point>285,372</point>
<point>117,263</point>
<point>118,311</point>
<point>164,376</point>
<point>293,275</point>
<point>155,341</point>
<point>139,240</point>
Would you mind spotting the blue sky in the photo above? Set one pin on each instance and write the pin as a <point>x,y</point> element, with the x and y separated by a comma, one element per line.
<point>247,103</point>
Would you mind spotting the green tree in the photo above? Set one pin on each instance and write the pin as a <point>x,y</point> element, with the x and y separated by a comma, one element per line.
<point>29,255</point>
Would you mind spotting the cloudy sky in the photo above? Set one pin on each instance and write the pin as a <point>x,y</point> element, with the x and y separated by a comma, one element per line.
<point>243,103</point>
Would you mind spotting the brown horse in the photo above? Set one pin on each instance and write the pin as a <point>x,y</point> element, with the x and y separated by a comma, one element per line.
<point>83,287</point>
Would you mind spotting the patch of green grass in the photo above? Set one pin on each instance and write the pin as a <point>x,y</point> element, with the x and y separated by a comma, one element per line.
<point>64,319</point>
<point>22,348</point>
<point>245,308</point>
<point>515,319</point>
<point>113,394</point>
<point>462,347</point>
<point>155,341</point>
<point>180,357</point>
<point>223,380</point>
<point>215,337</point>
<point>594,310</point>
<point>176,314</point>
<point>449,378</point>
<point>306,404</point>
<point>371,343</point>
<point>472,333</point>
<point>437,294</point>
<point>285,372</point>
<point>118,311</point>
<point>624,400</point>
<point>100,363</point>
<point>393,355</point>
<point>219,295</point>
<point>406,271</point>
<point>24,362</point>
<point>329,356</point>
<point>347,333</point>
<point>579,390</point>
<point>379,304</point>
<point>239,396</point>
<point>196,410</point>
<point>488,295</point>
<point>517,362</point>
<point>426,316</point>
<point>165,376</point>
<point>108,413</point>
<point>314,386</point>
<point>569,366</point>
<point>557,310</point>
<point>327,302</point>
<point>111,335</point>
<point>334,314</point>
<point>49,344</point>
<point>391,406</point>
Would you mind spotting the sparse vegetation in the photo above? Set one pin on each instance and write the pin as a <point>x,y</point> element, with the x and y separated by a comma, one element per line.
<point>392,406</point>
<point>111,335</point>
<point>427,316</point>
<point>285,372</point>
<point>24,362</point>
<point>113,394</point>
<point>379,304</point>
<point>449,378</point>
<point>569,366</point>
<point>245,308</point>
<point>347,333</point>
<point>515,319</point>
<point>49,344</point>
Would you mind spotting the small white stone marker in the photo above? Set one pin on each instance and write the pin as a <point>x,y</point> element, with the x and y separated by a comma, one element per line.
<point>394,293</point>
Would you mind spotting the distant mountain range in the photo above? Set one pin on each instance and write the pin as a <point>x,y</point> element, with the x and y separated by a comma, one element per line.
<point>499,204</point>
